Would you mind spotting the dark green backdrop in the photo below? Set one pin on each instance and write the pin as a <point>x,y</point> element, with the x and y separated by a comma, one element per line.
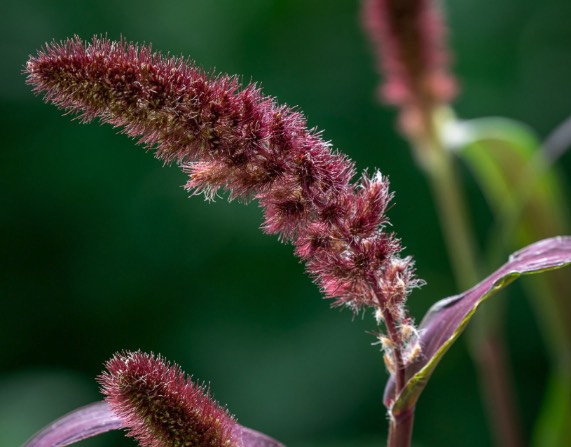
<point>101,250</point>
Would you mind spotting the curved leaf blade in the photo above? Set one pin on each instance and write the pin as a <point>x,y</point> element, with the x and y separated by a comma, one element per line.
<point>525,193</point>
<point>98,418</point>
<point>527,196</point>
<point>253,438</point>
<point>80,424</point>
<point>446,319</point>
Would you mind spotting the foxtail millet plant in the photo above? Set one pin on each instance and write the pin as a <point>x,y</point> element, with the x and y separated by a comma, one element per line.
<point>157,405</point>
<point>161,406</point>
<point>233,139</point>
<point>408,37</point>
<point>410,49</point>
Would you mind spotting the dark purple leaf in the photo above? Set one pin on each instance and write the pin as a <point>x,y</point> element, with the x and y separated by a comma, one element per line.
<point>97,418</point>
<point>83,423</point>
<point>446,319</point>
<point>253,438</point>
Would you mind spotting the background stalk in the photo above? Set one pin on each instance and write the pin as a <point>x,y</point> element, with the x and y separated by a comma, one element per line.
<point>486,334</point>
<point>527,196</point>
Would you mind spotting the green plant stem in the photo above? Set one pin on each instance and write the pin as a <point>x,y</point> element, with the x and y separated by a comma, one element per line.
<point>453,218</point>
<point>487,349</point>
<point>552,428</point>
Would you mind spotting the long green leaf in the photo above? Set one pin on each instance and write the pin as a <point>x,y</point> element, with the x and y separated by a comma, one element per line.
<point>526,195</point>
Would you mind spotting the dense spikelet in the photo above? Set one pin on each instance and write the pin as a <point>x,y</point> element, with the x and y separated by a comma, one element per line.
<point>232,137</point>
<point>161,407</point>
<point>408,36</point>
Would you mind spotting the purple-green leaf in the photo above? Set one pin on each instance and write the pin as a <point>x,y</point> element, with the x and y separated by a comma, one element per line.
<point>446,319</point>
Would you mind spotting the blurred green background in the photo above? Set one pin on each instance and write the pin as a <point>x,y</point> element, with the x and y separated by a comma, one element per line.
<point>101,250</point>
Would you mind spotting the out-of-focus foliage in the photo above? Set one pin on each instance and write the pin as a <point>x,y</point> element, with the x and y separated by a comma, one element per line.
<point>102,250</point>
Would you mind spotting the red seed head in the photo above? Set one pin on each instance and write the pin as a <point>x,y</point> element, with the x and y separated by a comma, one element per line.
<point>232,137</point>
<point>161,407</point>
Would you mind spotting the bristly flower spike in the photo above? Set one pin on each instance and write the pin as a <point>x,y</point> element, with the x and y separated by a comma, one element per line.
<point>157,404</point>
<point>232,137</point>
<point>408,37</point>
<point>161,407</point>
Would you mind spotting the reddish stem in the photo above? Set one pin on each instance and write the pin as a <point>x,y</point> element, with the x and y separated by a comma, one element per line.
<point>397,352</point>
<point>400,431</point>
<point>401,423</point>
<point>393,334</point>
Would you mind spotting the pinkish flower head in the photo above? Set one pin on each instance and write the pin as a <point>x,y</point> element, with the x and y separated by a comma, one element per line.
<point>232,138</point>
<point>161,407</point>
<point>408,36</point>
